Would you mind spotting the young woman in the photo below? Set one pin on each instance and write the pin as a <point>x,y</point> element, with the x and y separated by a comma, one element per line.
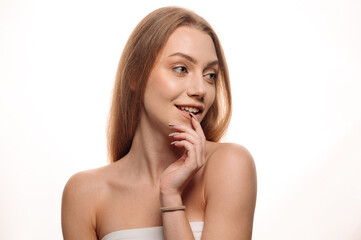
<point>169,176</point>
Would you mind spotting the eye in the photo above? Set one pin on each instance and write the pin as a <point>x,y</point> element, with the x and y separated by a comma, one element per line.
<point>212,76</point>
<point>180,69</point>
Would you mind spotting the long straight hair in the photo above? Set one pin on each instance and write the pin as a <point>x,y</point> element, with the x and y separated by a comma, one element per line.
<point>137,61</point>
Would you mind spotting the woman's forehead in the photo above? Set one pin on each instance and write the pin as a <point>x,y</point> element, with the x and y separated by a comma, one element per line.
<point>190,42</point>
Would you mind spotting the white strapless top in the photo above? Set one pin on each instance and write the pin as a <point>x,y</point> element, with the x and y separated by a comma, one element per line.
<point>150,233</point>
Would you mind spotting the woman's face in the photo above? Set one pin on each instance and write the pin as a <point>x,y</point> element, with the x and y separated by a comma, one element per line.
<point>183,79</point>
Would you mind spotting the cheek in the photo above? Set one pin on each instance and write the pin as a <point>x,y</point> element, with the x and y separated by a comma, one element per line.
<point>211,95</point>
<point>164,84</point>
<point>161,87</point>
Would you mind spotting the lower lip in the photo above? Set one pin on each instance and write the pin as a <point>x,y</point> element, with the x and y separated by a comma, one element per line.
<point>186,115</point>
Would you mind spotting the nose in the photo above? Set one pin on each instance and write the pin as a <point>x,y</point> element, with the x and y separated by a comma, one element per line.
<point>196,87</point>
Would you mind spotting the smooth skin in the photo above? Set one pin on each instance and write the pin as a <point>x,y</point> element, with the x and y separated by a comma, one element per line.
<point>215,181</point>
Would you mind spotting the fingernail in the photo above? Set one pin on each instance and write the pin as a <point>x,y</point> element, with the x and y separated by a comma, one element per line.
<point>173,134</point>
<point>172,143</point>
<point>193,116</point>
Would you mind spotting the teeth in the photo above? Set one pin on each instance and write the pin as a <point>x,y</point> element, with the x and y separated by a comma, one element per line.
<point>190,109</point>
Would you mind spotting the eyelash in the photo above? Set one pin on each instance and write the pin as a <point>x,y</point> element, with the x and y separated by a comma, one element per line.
<point>213,76</point>
<point>183,70</point>
<point>179,69</point>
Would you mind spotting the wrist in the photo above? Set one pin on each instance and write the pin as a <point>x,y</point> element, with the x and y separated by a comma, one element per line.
<point>170,200</point>
<point>173,209</point>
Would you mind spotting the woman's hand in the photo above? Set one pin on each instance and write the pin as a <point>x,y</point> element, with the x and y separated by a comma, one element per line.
<point>178,174</point>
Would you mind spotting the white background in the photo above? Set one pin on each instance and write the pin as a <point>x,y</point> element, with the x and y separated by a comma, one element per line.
<point>295,70</point>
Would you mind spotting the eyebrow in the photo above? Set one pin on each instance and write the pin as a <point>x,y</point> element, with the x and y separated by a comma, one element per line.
<point>192,60</point>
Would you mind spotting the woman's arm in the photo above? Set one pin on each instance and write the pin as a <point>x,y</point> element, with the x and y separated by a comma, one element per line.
<point>230,194</point>
<point>77,213</point>
<point>175,223</point>
<point>176,177</point>
<point>230,188</point>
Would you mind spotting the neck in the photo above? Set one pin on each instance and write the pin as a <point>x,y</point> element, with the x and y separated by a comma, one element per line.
<point>151,152</point>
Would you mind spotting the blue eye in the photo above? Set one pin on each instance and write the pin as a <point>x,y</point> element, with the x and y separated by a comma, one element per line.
<point>180,69</point>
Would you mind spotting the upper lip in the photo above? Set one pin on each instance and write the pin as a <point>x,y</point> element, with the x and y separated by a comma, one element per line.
<point>198,106</point>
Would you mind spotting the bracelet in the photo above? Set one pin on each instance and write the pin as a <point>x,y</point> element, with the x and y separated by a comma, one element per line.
<point>171,209</point>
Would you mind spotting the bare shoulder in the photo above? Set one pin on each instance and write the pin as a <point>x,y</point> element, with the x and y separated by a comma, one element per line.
<point>88,186</point>
<point>230,167</point>
<point>229,157</point>
<point>82,193</point>
<point>85,183</point>
<point>230,190</point>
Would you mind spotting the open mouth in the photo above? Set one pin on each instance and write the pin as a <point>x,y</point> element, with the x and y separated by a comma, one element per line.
<point>188,109</point>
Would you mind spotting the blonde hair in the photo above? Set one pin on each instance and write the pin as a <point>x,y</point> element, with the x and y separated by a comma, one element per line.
<point>137,60</point>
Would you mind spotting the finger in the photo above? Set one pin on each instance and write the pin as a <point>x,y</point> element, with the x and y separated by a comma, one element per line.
<point>196,148</point>
<point>192,156</point>
<point>174,166</point>
<point>192,136</point>
<point>185,136</point>
<point>186,129</point>
<point>197,142</point>
<point>197,125</point>
<point>195,139</point>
